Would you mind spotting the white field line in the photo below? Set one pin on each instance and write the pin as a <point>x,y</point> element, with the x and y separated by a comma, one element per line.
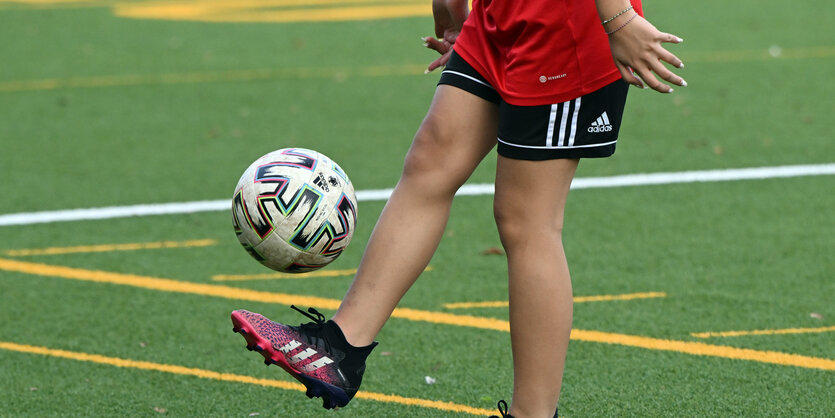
<point>466,190</point>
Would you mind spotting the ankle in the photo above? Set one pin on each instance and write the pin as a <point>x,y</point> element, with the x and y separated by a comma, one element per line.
<point>510,415</point>
<point>352,336</point>
<point>337,332</point>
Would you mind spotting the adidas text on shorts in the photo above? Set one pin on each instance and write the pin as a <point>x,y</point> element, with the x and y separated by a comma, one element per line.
<point>584,127</point>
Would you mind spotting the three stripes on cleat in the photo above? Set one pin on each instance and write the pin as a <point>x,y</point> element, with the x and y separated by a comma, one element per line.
<point>311,392</point>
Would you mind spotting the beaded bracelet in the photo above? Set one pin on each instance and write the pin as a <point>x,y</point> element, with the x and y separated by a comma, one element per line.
<point>616,16</point>
<point>624,24</point>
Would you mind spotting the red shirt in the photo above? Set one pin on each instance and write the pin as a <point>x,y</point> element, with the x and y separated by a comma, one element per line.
<point>537,52</point>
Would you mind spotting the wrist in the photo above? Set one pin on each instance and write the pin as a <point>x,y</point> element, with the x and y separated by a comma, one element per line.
<point>608,8</point>
<point>617,15</point>
<point>619,22</point>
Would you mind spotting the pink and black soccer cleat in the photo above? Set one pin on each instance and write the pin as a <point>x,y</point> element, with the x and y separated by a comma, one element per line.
<point>316,353</point>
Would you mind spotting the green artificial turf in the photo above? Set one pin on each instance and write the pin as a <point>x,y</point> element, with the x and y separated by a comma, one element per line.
<point>102,110</point>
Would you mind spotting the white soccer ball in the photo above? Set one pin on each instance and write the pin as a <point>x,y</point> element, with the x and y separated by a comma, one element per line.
<point>294,210</point>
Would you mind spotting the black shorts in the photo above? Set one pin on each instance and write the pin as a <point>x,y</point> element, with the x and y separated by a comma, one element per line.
<point>585,127</point>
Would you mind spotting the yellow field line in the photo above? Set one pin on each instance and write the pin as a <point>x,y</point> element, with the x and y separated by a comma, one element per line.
<point>229,377</point>
<point>166,285</point>
<point>702,349</point>
<point>194,77</point>
<point>577,299</point>
<point>625,296</point>
<point>227,292</point>
<point>111,247</point>
<point>470,305</point>
<point>126,80</point>
<point>52,2</point>
<point>763,332</point>
<point>273,276</point>
<point>272,11</point>
<point>56,4</point>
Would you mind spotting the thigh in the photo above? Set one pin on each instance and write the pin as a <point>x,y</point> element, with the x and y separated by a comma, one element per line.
<point>457,132</point>
<point>531,195</point>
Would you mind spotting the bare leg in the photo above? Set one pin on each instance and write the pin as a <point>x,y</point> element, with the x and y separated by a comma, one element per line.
<point>458,131</point>
<point>529,203</point>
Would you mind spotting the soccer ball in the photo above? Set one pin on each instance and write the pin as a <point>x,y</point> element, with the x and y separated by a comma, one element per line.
<point>294,210</point>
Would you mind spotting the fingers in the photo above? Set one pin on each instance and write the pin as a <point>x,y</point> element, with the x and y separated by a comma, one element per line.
<point>650,67</point>
<point>628,75</point>
<point>450,37</point>
<point>661,70</point>
<point>649,78</point>
<point>648,75</point>
<point>663,55</point>
<point>669,37</point>
<point>440,62</point>
<point>665,74</point>
<point>440,46</point>
<point>667,56</point>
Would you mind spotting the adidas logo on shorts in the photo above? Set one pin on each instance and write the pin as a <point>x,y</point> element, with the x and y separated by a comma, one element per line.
<point>601,124</point>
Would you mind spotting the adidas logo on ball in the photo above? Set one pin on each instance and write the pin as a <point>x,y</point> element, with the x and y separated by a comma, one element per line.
<point>601,124</point>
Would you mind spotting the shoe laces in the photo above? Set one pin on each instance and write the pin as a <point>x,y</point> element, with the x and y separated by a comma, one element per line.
<point>502,410</point>
<point>319,318</point>
<point>314,331</point>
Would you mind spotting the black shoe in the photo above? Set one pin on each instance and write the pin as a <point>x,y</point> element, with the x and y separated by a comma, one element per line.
<point>503,410</point>
<point>316,353</point>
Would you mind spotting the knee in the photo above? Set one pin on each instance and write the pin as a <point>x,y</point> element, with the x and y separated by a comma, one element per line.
<point>420,159</point>
<point>519,226</point>
<point>430,160</point>
<point>509,223</point>
<point>426,151</point>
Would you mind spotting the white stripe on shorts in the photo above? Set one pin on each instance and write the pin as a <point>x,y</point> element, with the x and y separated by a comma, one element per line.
<point>467,76</point>
<point>549,139</point>
<point>574,121</point>
<point>557,147</point>
<point>562,121</point>
<point>562,141</point>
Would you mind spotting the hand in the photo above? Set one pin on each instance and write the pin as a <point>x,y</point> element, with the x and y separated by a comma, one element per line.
<point>638,52</point>
<point>449,18</point>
